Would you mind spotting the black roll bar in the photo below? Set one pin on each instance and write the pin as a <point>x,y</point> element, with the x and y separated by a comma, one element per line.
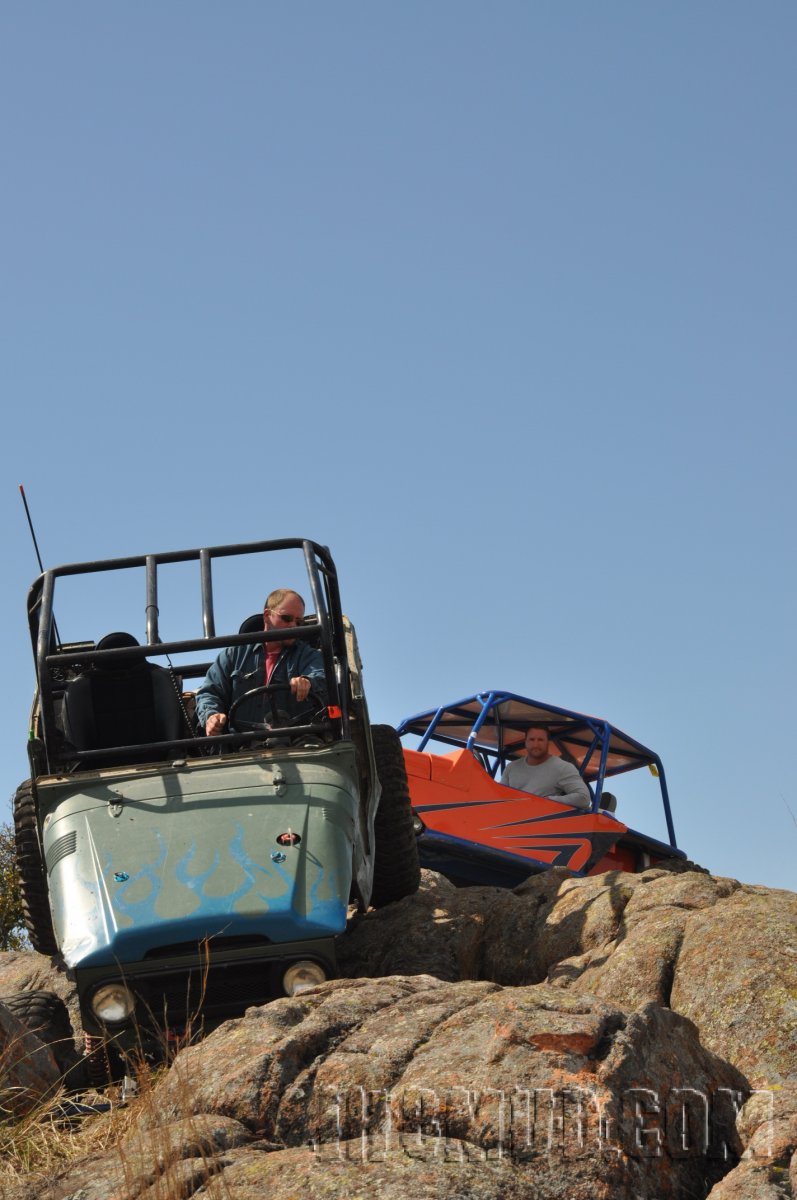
<point>50,656</point>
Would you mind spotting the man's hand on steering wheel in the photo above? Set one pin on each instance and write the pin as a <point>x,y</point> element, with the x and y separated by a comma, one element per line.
<point>301,687</point>
<point>215,723</point>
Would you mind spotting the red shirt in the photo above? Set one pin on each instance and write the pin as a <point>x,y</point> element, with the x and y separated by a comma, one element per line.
<point>273,652</point>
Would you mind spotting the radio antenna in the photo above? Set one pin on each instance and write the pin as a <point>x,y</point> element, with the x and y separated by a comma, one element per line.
<point>30,526</point>
<point>36,548</point>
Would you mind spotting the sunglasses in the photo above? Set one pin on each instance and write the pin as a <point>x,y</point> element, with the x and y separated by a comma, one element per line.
<point>286,618</point>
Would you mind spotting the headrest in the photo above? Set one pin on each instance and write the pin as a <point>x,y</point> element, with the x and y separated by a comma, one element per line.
<point>117,641</point>
<point>252,624</point>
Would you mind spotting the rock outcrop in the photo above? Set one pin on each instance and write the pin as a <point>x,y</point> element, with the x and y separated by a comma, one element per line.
<point>722,953</point>
<point>622,1035</point>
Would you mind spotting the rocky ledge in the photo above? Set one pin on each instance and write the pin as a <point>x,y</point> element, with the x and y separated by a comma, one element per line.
<point>618,1036</point>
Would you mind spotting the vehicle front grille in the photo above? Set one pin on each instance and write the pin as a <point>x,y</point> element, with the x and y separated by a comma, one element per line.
<point>216,991</point>
<point>255,942</point>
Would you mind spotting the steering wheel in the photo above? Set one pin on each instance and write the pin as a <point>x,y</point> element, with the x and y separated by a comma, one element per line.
<point>269,689</point>
<point>265,689</point>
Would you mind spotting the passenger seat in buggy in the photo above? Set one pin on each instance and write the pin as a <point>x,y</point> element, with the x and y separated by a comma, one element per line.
<point>124,702</point>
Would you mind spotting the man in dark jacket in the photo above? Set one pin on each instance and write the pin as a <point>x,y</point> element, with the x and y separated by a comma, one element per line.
<point>238,669</point>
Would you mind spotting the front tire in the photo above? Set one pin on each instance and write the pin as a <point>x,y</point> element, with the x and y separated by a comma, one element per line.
<point>397,872</point>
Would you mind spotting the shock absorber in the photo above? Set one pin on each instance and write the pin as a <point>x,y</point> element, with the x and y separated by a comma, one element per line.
<point>98,1061</point>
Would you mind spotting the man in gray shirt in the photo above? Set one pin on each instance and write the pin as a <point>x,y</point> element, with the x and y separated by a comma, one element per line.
<point>546,774</point>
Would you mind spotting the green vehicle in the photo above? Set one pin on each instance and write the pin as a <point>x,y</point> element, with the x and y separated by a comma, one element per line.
<point>181,879</point>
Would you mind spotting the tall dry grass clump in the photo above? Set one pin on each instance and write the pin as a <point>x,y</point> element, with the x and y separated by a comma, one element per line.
<point>45,1127</point>
<point>116,1134</point>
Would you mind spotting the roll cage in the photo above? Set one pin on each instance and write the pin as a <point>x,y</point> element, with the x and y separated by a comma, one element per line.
<point>59,665</point>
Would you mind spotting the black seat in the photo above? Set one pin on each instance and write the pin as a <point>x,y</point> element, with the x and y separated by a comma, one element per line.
<point>252,624</point>
<point>123,702</point>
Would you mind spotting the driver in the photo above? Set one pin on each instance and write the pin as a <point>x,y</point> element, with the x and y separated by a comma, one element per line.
<point>546,774</point>
<point>238,669</point>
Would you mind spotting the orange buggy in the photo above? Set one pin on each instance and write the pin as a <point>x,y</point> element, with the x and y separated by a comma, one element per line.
<point>475,829</point>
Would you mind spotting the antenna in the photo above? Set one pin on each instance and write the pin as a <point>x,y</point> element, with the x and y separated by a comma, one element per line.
<point>36,548</point>
<point>30,526</point>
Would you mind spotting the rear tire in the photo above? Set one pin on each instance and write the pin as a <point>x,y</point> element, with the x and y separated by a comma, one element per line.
<point>30,868</point>
<point>397,872</point>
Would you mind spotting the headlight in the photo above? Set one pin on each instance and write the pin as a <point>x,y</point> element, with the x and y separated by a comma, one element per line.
<point>302,975</point>
<point>113,1002</point>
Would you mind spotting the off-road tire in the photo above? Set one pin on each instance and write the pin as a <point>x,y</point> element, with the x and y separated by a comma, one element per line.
<point>30,868</point>
<point>46,1015</point>
<point>397,872</point>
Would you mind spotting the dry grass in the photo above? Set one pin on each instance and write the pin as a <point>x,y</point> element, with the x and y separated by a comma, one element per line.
<point>42,1134</point>
<point>59,1134</point>
<point>39,1144</point>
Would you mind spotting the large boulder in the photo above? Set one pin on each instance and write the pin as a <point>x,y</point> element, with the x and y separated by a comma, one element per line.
<point>722,953</point>
<point>614,1036</point>
<point>767,1126</point>
<point>432,1088</point>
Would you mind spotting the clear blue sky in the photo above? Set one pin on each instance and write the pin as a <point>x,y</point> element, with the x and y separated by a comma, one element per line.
<point>497,301</point>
